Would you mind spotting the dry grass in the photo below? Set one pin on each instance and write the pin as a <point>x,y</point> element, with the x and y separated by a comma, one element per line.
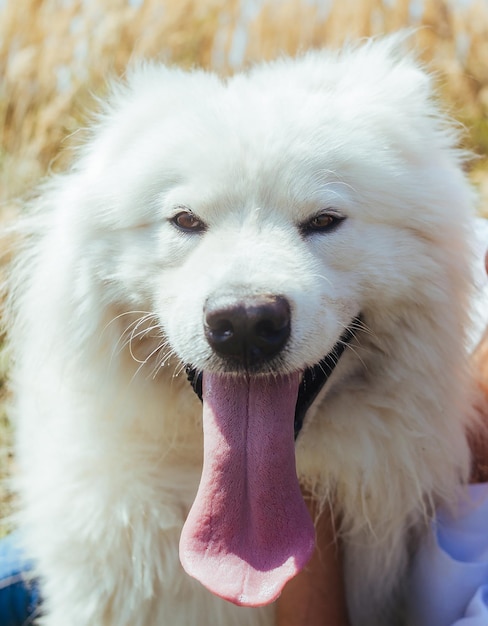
<point>54,54</point>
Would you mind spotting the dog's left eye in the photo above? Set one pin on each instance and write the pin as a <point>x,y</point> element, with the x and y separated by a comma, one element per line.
<point>322,222</point>
<point>188,222</point>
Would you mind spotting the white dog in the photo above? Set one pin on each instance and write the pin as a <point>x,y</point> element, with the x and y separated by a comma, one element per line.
<point>295,239</point>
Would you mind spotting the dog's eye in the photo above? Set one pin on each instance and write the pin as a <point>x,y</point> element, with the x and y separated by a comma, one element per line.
<point>322,222</point>
<point>188,222</point>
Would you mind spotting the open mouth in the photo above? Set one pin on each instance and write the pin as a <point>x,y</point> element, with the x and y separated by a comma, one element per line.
<point>313,378</point>
<point>249,531</point>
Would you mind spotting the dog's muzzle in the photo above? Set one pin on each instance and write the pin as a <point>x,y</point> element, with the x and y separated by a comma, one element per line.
<point>247,334</point>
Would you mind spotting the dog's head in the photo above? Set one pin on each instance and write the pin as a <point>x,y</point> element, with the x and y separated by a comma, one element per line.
<point>281,203</point>
<point>250,223</point>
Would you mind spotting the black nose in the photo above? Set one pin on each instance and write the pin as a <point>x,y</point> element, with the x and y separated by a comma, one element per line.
<point>248,331</point>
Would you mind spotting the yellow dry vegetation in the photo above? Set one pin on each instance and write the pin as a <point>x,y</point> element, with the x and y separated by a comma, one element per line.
<point>55,53</point>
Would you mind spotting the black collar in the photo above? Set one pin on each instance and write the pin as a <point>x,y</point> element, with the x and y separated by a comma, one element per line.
<point>315,377</point>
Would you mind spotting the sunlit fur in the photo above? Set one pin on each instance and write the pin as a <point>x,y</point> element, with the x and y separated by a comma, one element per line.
<point>108,294</point>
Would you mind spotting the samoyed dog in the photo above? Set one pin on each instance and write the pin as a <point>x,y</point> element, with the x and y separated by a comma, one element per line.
<point>243,287</point>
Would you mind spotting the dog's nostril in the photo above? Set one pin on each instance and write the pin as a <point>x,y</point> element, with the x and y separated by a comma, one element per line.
<point>220,328</point>
<point>248,331</point>
<point>269,329</point>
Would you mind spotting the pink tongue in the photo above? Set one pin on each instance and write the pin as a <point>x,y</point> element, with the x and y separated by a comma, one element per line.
<point>249,530</point>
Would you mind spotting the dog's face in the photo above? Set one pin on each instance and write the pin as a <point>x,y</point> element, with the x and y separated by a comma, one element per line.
<point>242,236</point>
<point>248,224</point>
<point>286,189</point>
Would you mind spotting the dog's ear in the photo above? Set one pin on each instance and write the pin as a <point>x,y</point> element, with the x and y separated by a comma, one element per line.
<point>393,59</point>
<point>149,93</point>
<point>373,74</point>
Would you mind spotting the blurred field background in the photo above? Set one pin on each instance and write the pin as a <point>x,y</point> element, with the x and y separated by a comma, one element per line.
<point>56,55</point>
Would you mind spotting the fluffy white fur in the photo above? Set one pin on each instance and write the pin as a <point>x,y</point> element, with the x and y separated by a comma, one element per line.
<point>108,299</point>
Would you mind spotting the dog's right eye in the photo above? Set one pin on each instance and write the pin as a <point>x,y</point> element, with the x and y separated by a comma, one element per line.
<point>188,222</point>
<point>323,222</point>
